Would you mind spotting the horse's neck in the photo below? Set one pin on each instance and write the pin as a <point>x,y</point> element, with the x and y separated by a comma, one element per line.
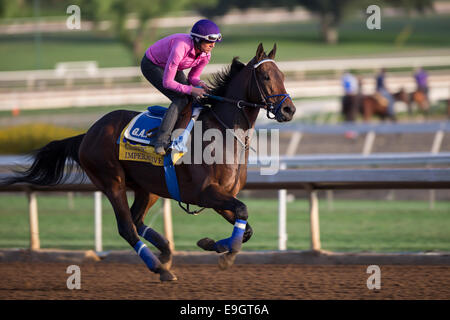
<point>230,114</point>
<point>227,116</point>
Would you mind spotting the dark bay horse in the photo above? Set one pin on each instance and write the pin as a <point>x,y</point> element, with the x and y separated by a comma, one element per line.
<point>206,185</point>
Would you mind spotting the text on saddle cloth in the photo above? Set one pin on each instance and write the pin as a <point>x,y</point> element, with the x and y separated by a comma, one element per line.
<point>136,140</point>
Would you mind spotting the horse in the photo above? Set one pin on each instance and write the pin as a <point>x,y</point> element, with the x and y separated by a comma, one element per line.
<point>370,105</point>
<point>420,99</point>
<point>350,107</point>
<point>259,83</point>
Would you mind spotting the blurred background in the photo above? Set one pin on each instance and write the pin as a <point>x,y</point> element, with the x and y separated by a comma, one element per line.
<point>56,81</point>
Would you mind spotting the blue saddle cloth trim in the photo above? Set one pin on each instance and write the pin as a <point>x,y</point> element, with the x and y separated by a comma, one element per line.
<point>171,178</point>
<point>157,111</point>
<point>140,125</point>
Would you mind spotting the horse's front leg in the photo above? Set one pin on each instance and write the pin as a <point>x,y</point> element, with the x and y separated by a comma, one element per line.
<point>215,197</point>
<point>229,216</point>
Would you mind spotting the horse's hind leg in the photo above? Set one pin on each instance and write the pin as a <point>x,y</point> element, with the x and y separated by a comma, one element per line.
<point>110,179</point>
<point>143,201</point>
<point>127,230</point>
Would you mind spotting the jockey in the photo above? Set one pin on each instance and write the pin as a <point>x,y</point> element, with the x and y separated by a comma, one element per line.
<point>350,99</point>
<point>163,65</point>
<point>350,83</point>
<point>381,89</point>
<point>421,78</point>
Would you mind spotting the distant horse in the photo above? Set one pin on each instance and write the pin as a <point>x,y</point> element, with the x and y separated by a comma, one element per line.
<point>420,99</point>
<point>206,185</point>
<point>370,105</point>
<point>350,106</point>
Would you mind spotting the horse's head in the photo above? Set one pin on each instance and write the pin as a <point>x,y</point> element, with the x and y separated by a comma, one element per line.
<point>267,85</point>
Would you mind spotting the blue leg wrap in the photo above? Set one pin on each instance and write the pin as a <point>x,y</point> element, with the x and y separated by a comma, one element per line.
<point>149,258</point>
<point>234,242</point>
<point>153,237</point>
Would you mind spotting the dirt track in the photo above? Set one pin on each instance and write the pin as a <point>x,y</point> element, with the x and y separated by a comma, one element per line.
<point>197,282</point>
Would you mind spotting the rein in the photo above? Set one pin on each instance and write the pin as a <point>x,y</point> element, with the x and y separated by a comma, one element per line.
<point>269,106</point>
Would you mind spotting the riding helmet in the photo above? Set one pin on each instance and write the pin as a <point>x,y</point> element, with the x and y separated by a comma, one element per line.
<point>205,28</point>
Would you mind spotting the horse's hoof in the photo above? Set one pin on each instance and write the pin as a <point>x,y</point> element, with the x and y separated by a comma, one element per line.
<point>207,244</point>
<point>166,275</point>
<point>226,260</point>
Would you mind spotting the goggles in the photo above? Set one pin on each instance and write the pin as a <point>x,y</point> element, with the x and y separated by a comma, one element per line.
<point>209,37</point>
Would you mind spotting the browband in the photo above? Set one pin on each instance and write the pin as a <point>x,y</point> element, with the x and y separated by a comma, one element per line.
<point>262,61</point>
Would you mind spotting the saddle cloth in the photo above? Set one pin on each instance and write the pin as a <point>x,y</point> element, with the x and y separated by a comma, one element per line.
<point>137,138</point>
<point>381,99</point>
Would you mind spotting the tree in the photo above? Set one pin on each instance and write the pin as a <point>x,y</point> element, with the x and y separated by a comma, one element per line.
<point>140,12</point>
<point>13,9</point>
<point>330,13</point>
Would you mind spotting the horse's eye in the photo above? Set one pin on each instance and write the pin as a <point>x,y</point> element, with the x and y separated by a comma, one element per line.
<point>266,77</point>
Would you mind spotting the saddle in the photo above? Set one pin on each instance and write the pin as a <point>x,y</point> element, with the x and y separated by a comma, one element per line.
<point>382,101</point>
<point>136,142</point>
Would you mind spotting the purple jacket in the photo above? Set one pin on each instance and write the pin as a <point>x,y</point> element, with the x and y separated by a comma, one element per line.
<point>421,78</point>
<point>176,52</point>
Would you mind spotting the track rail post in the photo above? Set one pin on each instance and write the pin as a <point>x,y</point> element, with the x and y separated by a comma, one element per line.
<point>314,219</point>
<point>168,228</point>
<point>98,221</point>
<point>34,224</point>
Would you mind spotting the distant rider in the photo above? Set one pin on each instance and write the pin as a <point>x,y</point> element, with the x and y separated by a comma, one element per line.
<point>381,89</point>
<point>350,99</point>
<point>421,78</point>
<point>163,65</point>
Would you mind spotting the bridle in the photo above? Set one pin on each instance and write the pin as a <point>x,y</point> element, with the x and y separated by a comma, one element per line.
<point>270,107</point>
<point>240,104</point>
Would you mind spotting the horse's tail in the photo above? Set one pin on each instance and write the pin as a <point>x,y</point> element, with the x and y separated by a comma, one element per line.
<point>49,163</point>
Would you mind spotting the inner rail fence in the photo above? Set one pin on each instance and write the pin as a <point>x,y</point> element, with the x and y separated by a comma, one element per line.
<point>310,180</point>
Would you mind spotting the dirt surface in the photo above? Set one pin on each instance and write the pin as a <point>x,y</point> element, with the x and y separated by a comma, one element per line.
<point>122,281</point>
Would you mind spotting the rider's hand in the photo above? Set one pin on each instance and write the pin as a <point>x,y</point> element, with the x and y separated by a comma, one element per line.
<point>204,85</point>
<point>198,92</point>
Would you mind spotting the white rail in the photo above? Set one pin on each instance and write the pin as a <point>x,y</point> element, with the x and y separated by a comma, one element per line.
<point>91,71</point>
<point>310,180</point>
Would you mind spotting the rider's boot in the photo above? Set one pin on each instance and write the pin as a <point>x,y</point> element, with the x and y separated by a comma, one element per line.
<point>162,140</point>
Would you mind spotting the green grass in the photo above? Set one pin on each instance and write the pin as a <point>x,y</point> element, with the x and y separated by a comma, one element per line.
<point>19,52</point>
<point>358,225</point>
<point>295,41</point>
<point>79,110</point>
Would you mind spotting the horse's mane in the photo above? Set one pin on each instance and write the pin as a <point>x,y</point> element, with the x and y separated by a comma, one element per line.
<point>220,80</point>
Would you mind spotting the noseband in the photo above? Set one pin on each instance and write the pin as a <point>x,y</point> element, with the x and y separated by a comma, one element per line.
<point>270,107</point>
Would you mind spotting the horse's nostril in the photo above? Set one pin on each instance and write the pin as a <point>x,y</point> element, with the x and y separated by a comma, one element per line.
<point>287,110</point>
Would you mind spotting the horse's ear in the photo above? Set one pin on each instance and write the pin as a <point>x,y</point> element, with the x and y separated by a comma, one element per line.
<point>272,53</point>
<point>260,52</point>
